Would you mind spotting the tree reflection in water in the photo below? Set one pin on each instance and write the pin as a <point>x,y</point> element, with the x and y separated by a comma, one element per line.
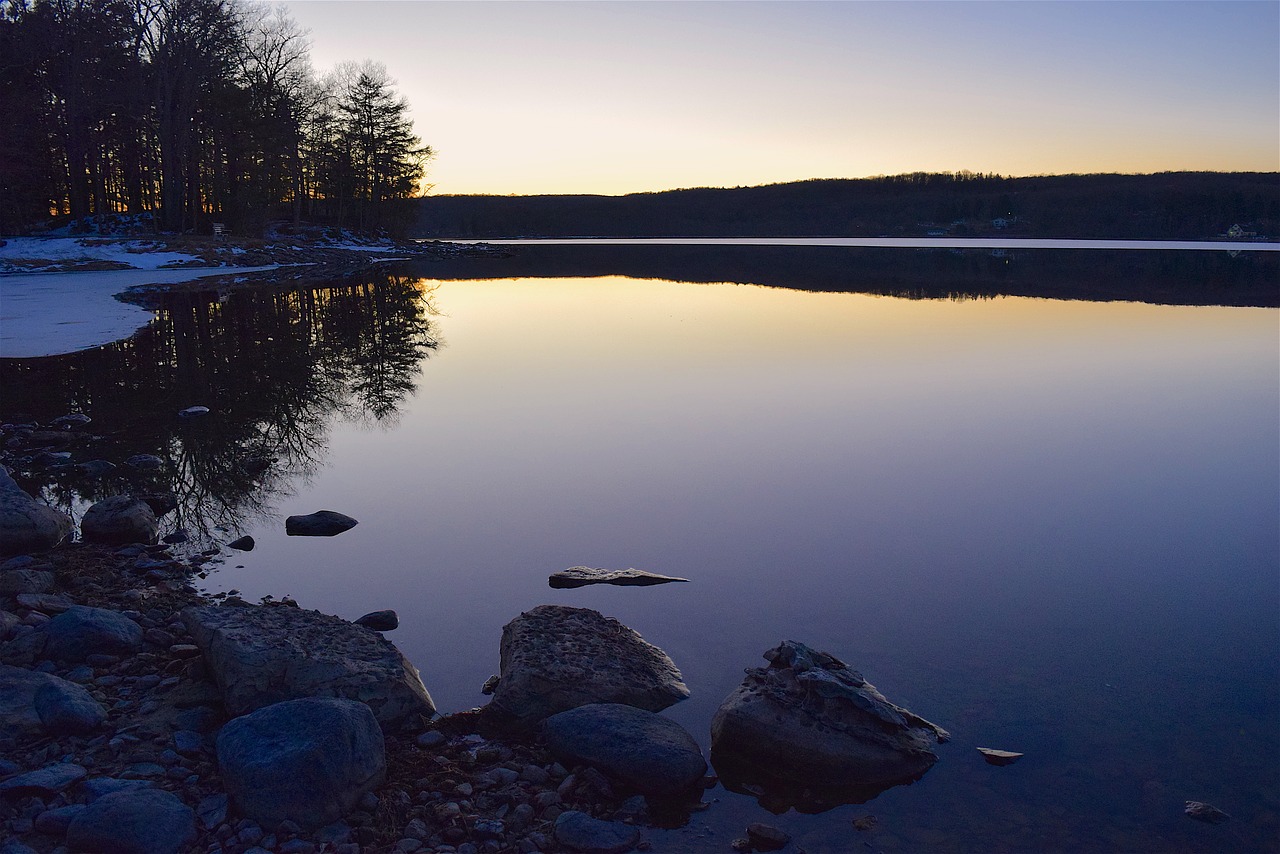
<point>277,369</point>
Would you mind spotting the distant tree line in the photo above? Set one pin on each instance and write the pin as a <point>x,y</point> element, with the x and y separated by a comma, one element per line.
<point>1174,205</point>
<point>193,111</point>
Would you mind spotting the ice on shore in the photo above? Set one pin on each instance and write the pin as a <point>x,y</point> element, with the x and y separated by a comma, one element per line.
<point>48,314</point>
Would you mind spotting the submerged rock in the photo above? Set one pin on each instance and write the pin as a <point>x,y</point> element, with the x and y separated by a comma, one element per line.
<point>322,523</point>
<point>308,761</point>
<point>578,831</point>
<point>26,525</point>
<point>809,719</point>
<point>262,655</point>
<point>649,753</point>
<point>120,520</point>
<point>999,757</point>
<point>581,576</point>
<point>555,658</point>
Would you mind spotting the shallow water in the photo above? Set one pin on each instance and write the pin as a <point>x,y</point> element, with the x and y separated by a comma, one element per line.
<point>1050,527</point>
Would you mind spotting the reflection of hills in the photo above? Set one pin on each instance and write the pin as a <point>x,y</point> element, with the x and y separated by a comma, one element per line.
<point>275,369</point>
<point>1156,276</point>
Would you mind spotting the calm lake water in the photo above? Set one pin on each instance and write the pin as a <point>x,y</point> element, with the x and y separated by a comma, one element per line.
<point>1048,526</point>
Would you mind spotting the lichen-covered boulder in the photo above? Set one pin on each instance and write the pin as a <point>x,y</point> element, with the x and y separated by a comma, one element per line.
<point>810,719</point>
<point>260,655</point>
<point>119,520</point>
<point>643,750</point>
<point>26,525</point>
<point>555,658</point>
<point>308,761</point>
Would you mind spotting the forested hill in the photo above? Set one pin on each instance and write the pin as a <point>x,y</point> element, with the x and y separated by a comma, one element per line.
<point>1172,205</point>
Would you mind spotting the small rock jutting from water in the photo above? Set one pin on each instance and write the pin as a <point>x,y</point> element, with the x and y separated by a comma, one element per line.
<point>194,412</point>
<point>322,523</point>
<point>999,757</point>
<point>242,544</point>
<point>1207,813</point>
<point>808,716</point>
<point>581,576</point>
<point>379,621</point>
<point>120,520</point>
<point>766,837</point>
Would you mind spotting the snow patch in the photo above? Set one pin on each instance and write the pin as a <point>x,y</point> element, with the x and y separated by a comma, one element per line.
<point>62,250</point>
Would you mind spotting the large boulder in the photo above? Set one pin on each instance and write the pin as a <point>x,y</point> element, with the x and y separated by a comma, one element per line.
<point>81,631</point>
<point>645,751</point>
<point>26,525</point>
<point>119,520</point>
<point>262,655</point>
<point>810,720</point>
<point>141,821</point>
<point>308,761</point>
<point>555,658</point>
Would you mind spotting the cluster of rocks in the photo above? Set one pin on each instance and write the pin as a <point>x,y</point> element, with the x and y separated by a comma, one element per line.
<point>139,715</point>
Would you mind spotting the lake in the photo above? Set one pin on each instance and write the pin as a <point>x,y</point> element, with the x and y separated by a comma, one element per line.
<point>1050,526</point>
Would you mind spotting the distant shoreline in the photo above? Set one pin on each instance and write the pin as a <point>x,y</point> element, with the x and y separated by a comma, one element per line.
<point>892,242</point>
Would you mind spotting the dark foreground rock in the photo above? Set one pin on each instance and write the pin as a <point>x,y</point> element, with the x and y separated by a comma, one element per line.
<point>81,631</point>
<point>264,655</point>
<point>143,821</point>
<point>581,576</point>
<point>26,525</point>
<point>120,520</point>
<point>644,751</point>
<point>307,761</point>
<point>322,523</point>
<point>809,717</point>
<point>578,831</point>
<point>379,621</point>
<point>32,703</point>
<point>555,658</point>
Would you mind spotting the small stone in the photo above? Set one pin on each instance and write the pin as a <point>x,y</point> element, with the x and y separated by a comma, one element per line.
<point>243,544</point>
<point>46,603</point>
<point>766,837</point>
<point>866,822</point>
<point>193,412</point>
<point>178,536</point>
<point>1207,813</point>
<point>580,576</point>
<point>212,810</point>
<point>431,738</point>
<point>146,821</point>
<point>144,462</point>
<point>999,757</point>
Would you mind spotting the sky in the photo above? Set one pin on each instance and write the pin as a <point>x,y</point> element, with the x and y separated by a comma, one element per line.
<point>617,97</point>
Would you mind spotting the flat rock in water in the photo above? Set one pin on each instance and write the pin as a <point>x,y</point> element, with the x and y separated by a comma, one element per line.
<point>999,757</point>
<point>581,576</point>
<point>81,631</point>
<point>193,412</point>
<point>144,462</point>
<point>809,717</point>
<point>766,837</point>
<point>649,753</point>
<point>120,520</point>
<point>142,821</point>
<point>578,831</point>
<point>262,655</point>
<point>322,523</point>
<point>555,658</point>
<point>26,525</point>
<point>1207,813</point>
<point>307,761</point>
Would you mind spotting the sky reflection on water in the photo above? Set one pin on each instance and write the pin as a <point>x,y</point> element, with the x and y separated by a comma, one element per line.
<point>1048,526</point>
